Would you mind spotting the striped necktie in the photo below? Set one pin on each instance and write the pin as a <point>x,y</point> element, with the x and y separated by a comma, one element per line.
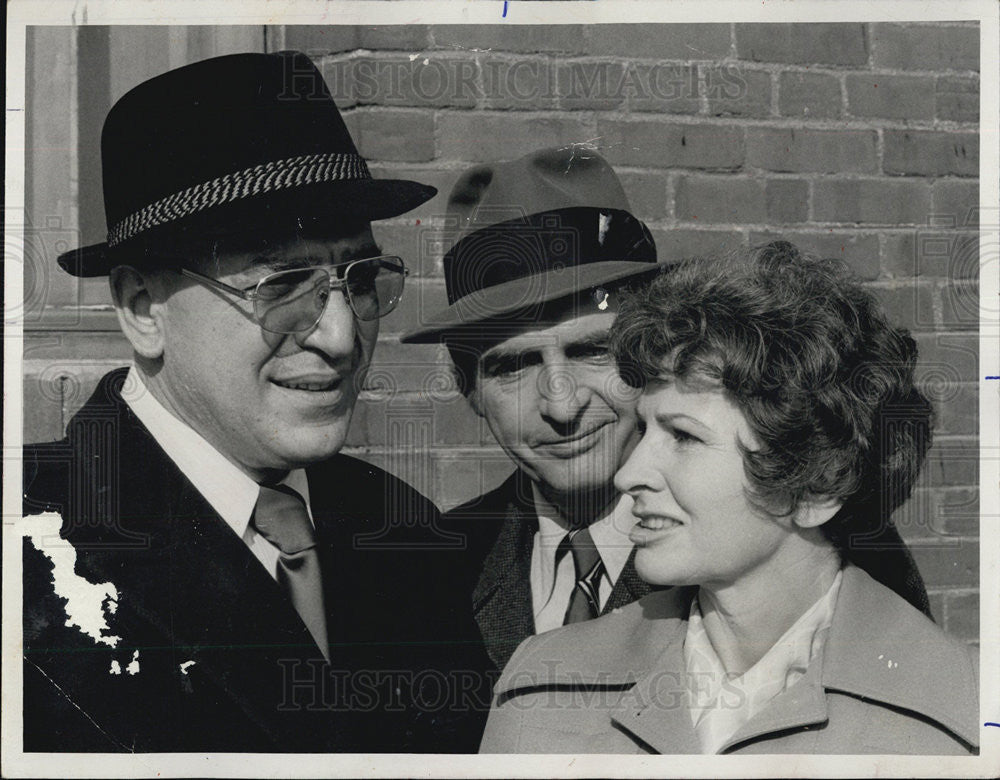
<point>585,601</point>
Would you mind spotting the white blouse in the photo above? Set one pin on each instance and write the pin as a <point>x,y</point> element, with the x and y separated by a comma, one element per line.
<point>720,703</point>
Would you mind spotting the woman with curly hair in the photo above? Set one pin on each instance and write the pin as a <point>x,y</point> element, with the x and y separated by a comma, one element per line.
<point>780,427</point>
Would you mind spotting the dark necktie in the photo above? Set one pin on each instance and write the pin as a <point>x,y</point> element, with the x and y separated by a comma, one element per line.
<point>585,601</point>
<point>281,517</point>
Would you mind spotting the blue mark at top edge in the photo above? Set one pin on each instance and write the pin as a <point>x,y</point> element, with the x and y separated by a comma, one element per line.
<point>504,9</point>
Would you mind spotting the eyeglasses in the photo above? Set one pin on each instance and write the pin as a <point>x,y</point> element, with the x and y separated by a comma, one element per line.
<point>293,301</point>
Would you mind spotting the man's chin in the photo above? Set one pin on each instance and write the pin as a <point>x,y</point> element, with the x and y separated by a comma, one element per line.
<point>315,448</point>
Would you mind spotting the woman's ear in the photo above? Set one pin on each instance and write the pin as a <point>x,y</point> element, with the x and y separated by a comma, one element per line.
<point>139,312</point>
<point>813,511</point>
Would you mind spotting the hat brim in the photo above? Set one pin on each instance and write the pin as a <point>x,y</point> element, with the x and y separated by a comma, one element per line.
<point>337,202</point>
<point>507,302</point>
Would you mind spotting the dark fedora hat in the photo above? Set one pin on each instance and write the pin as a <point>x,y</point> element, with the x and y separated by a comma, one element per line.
<point>240,141</point>
<point>548,225</point>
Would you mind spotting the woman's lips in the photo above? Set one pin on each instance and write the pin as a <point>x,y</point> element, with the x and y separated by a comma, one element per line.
<point>649,527</point>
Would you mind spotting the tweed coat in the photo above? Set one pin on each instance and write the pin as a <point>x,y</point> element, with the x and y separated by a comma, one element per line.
<point>499,528</point>
<point>888,681</point>
<point>211,655</point>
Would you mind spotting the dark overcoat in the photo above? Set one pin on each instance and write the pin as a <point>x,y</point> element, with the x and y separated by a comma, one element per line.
<point>201,649</point>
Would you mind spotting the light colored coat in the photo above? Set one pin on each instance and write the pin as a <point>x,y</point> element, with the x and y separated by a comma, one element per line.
<point>888,681</point>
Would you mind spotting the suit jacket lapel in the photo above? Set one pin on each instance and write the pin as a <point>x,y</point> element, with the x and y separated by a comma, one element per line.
<point>628,588</point>
<point>501,600</point>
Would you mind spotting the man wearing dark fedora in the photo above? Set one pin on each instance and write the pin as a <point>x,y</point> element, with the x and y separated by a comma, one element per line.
<point>545,246</point>
<point>202,570</point>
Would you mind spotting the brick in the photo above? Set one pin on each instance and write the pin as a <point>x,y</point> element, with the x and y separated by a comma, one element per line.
<point>587,84</point>
<point>654,144</point>
<point>665,87</point>
<point>392,134</point>
<point>720,199</point>
<point>957,404</point>
<point>820,151</point>
<point>462,477</point>
<point>925,47</point>
<point>952,354</point>
<point>953,463</point>
<point>936,601</point>
<point>872,201</point>
<point>809,95</point>
<point>962,615</point>
<point>890,97</point>
<point>660,41</point>
<point>939,515</point>
<point>418,245</point>
<point>931,253</point>
<point>957,202</point>
<point>646,192</point>
<point>436,80</point>
<point>950,566</point>
<point>961,309</point>
<point>43,415</point>
<point>677,244</point>
<point>957,99</point>
<point>556,38</point>
<point>910,306</point>
<point>787,200</point>
<point>57,346</point>
<point>317,40</point>
<point>338,73</point>
<point>858,250</point>
<point>439,177</point>
<point>518,83</point>
<point>737,91</point>
<point>409,37</point>
<point>931,153</point>
<point>493,136</point>
<point>812,44</point>
<point>421,300</point>
<point>410,368</point>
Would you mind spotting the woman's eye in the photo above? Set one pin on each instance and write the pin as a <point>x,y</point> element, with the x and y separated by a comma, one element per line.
<point>683,437</point>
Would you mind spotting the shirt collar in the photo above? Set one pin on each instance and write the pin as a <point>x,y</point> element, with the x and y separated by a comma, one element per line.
<point>230,492</point>
<point>610,532</point>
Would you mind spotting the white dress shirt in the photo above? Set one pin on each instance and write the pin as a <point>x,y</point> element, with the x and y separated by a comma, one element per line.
<point>720,703</point>
<point>552,586</point>
<point>228,490</point>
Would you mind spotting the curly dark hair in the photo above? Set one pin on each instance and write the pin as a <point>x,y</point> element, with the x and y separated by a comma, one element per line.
<point>824,381</point>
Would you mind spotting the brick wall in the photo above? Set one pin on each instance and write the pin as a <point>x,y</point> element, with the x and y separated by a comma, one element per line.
<point>854,140</point>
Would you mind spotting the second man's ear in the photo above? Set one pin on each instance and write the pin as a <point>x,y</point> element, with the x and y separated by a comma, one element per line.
<point>139,312</point>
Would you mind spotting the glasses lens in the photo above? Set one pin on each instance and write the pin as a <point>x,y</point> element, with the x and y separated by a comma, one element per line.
<point>374,286</point>
<point>292,301</point>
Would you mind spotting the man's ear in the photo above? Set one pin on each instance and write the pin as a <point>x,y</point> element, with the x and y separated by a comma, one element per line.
<point>813,511</point>
<point>139,310</point>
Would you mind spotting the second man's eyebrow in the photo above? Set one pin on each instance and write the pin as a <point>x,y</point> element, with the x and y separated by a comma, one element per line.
<point>587,342</point>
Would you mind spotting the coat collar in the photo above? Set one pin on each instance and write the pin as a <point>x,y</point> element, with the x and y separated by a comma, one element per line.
<point>501,599</point>
<point>877,649</point>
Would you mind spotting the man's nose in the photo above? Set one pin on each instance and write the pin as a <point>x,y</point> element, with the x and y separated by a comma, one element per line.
<point>336,332</point>
<point>562,397</point>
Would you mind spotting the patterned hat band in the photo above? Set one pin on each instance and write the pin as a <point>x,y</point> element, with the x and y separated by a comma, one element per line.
<point>269,177</point>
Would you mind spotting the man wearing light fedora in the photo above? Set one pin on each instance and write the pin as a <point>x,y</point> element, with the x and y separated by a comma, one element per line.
<point>217,577</point>
<point>545,247</point>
